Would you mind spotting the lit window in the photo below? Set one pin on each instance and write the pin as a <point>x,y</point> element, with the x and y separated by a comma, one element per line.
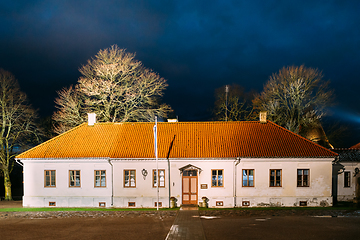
<point>248,178</point>
<point>303,177</point>
<point>161,178</point>
<point>217,178</point>
<point>129,178</point>
<point>100,178</point>
<point>74,178</point>
<point>275,177</point>
<point>50,178</point>
<point>347,179</point>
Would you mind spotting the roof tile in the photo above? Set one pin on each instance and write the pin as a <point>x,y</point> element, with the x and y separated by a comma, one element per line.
<point>178,140</point>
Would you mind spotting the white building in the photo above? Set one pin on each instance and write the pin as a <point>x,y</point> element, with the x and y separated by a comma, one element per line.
<point>233,164</point>
<point>346,174</point>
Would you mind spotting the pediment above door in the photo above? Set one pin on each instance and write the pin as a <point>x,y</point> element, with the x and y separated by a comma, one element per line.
<point>190,167</point>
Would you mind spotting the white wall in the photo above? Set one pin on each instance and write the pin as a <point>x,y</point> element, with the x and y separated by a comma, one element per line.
<point>318,193</point>
<point>37,195</point>
<point>347,193</point>
<point>144,194</point>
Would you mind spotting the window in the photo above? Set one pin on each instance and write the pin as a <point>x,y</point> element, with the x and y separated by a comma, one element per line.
<point>275,177</point>
<point>74,178</point>
<point>100,178</point>
<point>217,178</point>
<point>219,203</point>
<point>347,179</point>
<point>129,178</point>
<point>248,178</point>
<point>50,178</point>
<point>161,178</point>
<point>190,173</point>
<point>303,177</point>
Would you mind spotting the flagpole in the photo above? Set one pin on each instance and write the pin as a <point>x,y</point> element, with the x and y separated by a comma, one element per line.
<point>157,165</point>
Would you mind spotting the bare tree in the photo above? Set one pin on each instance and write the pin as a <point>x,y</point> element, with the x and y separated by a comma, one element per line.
<point>18,128</point>
<point>295,98</point>
<point>70,113</point>
<point>115,86</point>
<point>233,105</point>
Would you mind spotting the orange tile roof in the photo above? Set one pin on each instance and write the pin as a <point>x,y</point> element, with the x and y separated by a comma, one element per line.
<point>178,140</point>
<point>356,146</point>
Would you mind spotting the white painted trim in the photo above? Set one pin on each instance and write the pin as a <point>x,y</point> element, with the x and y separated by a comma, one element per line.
<point>280,159</point>
<point>286,160</point>
<point>64,160</point>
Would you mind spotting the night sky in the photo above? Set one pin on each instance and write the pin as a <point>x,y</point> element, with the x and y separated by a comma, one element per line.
<point>197,46</point>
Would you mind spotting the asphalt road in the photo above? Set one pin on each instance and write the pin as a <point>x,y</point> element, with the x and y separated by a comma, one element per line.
<point>143,227</point>
<point>277,224</point>
<point>284,227</point>
<point>86,228</point>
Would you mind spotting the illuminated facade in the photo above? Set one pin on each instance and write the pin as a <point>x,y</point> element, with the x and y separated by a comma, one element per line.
<point>232,164</point>
<point>346,174</point>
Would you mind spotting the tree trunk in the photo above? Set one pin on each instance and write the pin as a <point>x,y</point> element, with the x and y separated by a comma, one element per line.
<point>7,185</point>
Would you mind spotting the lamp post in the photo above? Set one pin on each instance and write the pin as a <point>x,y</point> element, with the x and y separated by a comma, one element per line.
<point>157,167</point>
<point>226,101</point>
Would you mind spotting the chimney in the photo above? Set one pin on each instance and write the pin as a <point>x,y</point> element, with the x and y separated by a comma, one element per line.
<point>263,117</point>
<point>172,120</point>
<point>91,119</point>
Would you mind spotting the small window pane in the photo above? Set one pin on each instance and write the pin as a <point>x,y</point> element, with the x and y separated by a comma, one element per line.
<point>50,179</point>
<point>248,177</point>
<point>347,179</point>
<point>217,178</point>
<point>245,177</point>
<point>275,178</point>
<point>74,178</point>
<point>161,178</point>
<point>303,177</point>
<point>129,178</point>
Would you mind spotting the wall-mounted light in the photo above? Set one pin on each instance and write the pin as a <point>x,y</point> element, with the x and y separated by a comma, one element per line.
<point>341,170</point>
<point>144,172</point>
<point>356,172</point>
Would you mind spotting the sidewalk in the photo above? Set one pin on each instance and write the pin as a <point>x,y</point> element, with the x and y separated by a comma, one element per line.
<point>187,225</point>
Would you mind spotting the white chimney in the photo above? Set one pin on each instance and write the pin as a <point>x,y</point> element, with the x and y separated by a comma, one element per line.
<point>263,117</point>
<point>91,119</point>
<point>172,120</point>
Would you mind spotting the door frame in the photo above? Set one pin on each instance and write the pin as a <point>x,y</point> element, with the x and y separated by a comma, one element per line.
<point>190,189</point>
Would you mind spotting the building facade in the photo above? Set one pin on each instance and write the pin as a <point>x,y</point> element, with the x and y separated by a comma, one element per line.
<point>231,164</point>
<point>346,175</point>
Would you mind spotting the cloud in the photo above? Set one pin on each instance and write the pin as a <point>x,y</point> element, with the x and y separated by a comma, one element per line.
<point>194,44</point>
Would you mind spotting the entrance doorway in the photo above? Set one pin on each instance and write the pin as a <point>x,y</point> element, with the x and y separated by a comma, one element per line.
<point>189,187</point>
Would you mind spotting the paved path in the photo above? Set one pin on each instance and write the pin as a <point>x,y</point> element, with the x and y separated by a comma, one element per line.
<point>187,225</point>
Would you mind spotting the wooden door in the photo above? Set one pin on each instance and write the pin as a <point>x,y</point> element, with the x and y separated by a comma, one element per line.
<point>189,187</point>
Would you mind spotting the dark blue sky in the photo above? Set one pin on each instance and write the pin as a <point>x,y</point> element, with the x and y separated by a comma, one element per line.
<point>196,45</point>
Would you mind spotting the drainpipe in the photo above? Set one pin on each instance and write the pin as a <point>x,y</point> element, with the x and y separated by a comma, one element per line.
<point>112,183</point>
<point>169,180</point>
<point>236,162</point>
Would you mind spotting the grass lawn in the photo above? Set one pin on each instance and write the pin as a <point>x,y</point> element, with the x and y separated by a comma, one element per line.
<point>55,209</point>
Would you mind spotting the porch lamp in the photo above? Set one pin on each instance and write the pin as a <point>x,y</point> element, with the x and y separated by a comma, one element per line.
<point>144,172</point>
<point>356,172</point>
